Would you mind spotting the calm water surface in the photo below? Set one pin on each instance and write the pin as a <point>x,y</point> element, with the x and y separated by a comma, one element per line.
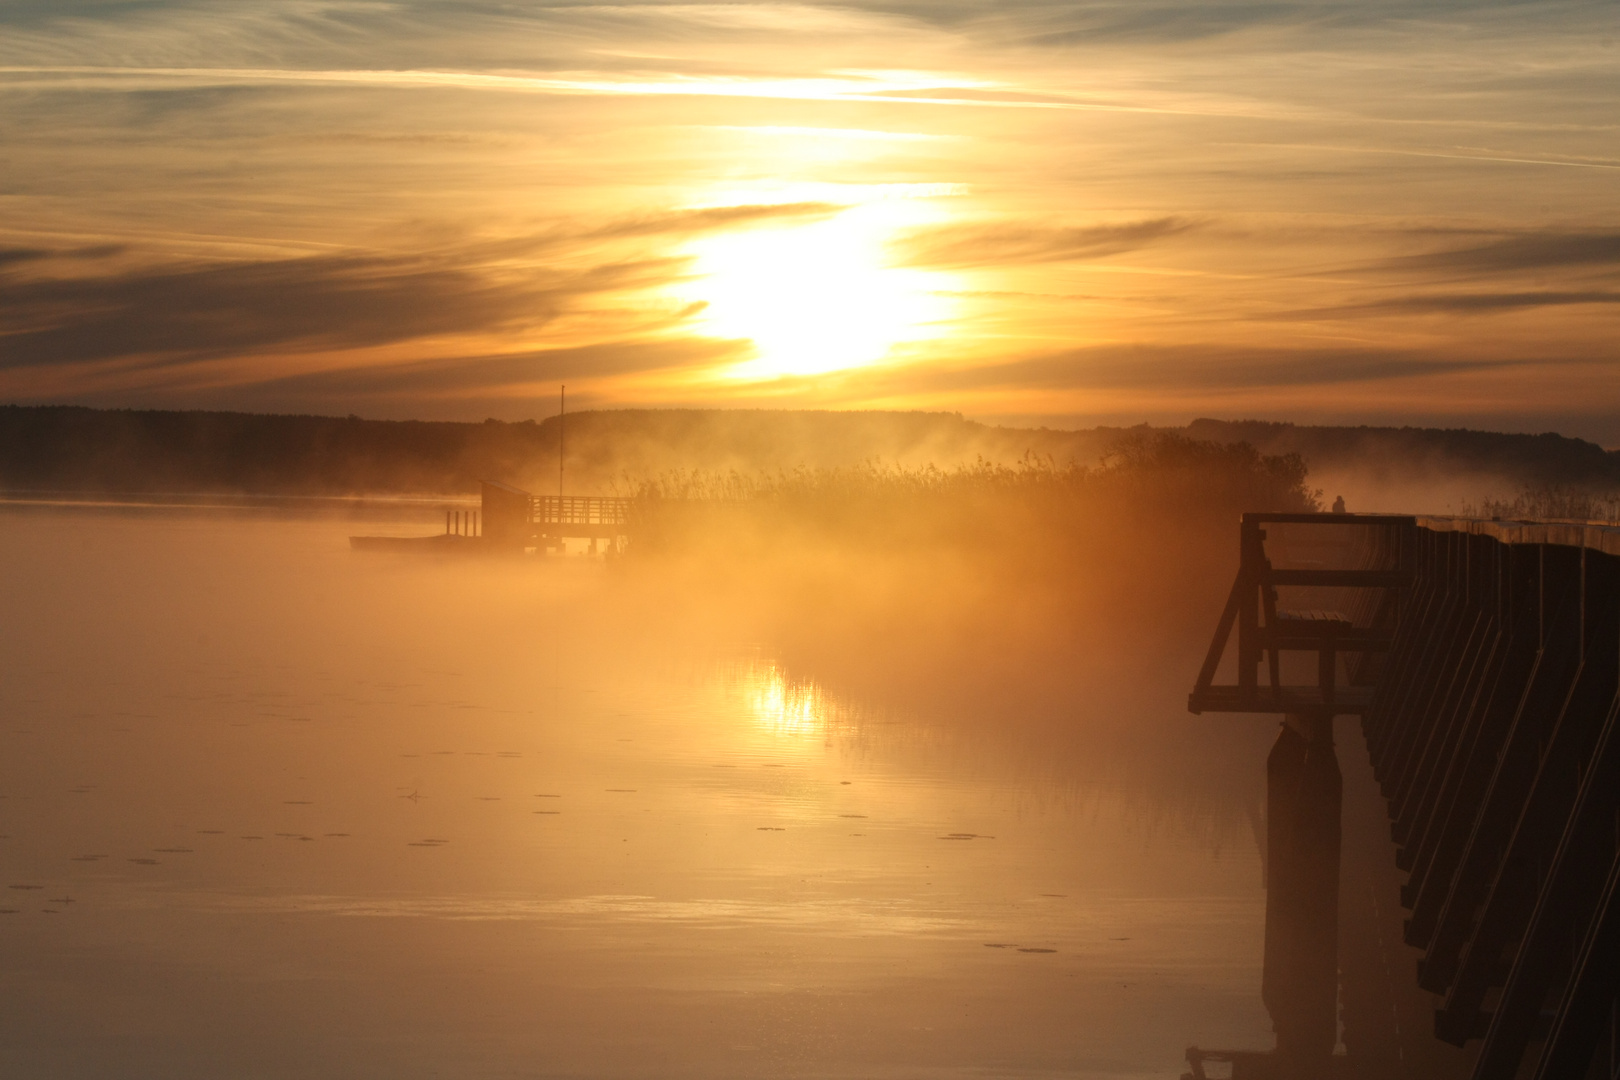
<point>273,809</point>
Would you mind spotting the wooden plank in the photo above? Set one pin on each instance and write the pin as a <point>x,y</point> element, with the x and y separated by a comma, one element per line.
<point>1510,786</point>
<point>1418,787</point>
<point>1444,844</point>
<point>1435,666</point>
<point>1349,643</point>
<point>1365,579</point>
<point>1445,662</point>
<point>1349,701</point>
<point>1589,998</point>
<point>1415,832</point>
<point>1545,814</point>
<point>1260,518</point>
<point>1566,899</point>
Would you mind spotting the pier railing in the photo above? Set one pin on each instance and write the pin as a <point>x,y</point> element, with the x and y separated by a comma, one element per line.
<point>1375,560</point>
<point>597,510</point>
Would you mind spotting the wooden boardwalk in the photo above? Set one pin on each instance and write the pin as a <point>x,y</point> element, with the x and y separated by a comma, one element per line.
<point>1484,665</point>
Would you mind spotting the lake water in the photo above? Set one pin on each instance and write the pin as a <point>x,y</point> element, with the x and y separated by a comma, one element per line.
<point>271,808</point>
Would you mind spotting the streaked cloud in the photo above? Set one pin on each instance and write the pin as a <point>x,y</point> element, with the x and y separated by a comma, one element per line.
<point>1530,251</point>
<point>1483,303</point>
<point>517,372</point>
<point>1013,243</point>
<point>1121,209</point>
<point>1191,367</point>
<point>176,315</point>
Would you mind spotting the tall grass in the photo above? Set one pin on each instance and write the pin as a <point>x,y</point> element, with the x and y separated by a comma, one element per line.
<point>1551,504</point>
<point>1016,565</point>
<point>1161,481</point>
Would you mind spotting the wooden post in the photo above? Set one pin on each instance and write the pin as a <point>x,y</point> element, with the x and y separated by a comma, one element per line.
<point>1249,611</point>
<point>1300,985</point>
<point>1327,671</point>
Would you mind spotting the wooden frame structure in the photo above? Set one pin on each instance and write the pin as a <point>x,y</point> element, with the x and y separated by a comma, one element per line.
<point>1265,631</point>
<point>595,517</point>
<point>1488,689</point>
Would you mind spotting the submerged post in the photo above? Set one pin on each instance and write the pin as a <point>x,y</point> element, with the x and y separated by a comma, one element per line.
<point>1301,976</point>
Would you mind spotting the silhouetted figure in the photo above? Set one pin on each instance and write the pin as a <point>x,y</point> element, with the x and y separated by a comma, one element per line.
<point>1338,505</point>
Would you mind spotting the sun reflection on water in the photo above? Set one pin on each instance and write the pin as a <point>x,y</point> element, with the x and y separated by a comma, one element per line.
<point>787,708</point>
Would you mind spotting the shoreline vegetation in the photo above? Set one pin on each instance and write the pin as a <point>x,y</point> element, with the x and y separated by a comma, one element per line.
<point>1035,521</point>
<point>78,449</point>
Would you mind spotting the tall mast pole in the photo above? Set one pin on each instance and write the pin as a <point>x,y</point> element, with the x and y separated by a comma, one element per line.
<point>562,436</point>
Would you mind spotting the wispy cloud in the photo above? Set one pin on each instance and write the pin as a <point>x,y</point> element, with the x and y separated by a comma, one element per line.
<point>171,314</point>
<point>1530,251</point>
<point>712,219</point>
<point>14,255</point>
<point>498,181</point>
<point>1013,243</point>
<point>1482,303</point>
<point>808,88</point>
<point>1188,367</point>
<point>460,376</point>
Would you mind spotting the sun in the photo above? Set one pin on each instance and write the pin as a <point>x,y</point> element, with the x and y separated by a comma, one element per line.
<point>816,297</point>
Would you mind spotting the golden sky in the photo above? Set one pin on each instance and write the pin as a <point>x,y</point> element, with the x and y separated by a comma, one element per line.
<point>1063,213</point>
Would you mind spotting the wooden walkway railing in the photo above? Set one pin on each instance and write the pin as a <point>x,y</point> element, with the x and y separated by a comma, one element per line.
<point>596,510</point>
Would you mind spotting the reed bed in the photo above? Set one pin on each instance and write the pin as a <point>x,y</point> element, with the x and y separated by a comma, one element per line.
<point>1163,483</point>
<point>1551,504</point>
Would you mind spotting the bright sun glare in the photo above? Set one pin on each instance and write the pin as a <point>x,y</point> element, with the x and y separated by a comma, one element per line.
<point>817,297</point>
<point>782,708</point>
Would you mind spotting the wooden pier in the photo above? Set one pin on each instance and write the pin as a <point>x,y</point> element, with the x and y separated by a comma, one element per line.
<point>515,520</point>
<point>1482,659</point>
<point>511,521</point>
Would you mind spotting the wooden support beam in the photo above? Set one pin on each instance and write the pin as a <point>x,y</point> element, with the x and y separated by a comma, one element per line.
<point>1329,519</point>
<point>1589,998</point>
<point>1347,700</point>
<point>1445,844</point>
<point>1510,785</point>
<point>1419,793</point>
<point>1569,898</point>
<point>1223,633</point>
<point>1364,579</point>
<point>1546,810</point>
<point>1249,608</point>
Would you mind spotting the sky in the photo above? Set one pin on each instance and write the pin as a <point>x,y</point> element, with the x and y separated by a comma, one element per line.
<point>1031,212</point>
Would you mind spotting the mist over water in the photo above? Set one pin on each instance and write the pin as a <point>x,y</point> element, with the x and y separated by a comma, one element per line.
<point>274,808</point>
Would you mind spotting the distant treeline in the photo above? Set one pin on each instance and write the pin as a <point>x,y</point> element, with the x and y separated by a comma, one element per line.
<point>1408,453</point>
<point>69,448</point>
<point>79,449</point>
